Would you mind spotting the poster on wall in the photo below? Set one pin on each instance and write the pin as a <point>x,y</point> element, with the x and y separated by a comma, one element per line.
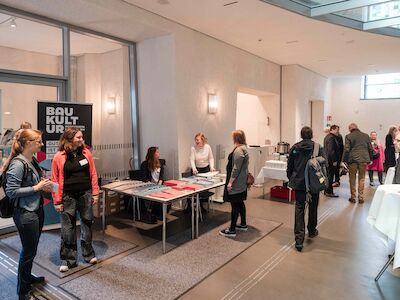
<point>53,118</point>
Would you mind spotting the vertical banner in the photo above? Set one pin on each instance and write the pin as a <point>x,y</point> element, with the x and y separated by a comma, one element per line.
<point>53,118</point>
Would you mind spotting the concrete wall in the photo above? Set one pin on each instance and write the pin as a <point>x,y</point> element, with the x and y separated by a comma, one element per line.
<point>299,87</point>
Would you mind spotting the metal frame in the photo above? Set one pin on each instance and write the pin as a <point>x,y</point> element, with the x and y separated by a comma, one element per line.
<point>327,12</point>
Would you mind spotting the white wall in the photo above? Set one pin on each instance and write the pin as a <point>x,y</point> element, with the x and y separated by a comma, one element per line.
<point>299,87</point>
<point>369,115</point>
<point>251,116</point>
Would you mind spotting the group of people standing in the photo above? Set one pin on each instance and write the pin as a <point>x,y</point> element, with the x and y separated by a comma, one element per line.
<point>74,187</point>
<point>359,153</point>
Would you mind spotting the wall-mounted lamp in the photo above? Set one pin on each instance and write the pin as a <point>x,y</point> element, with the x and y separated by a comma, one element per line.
<point>212,103</point>
<point>13,23</point>
<point>111,105</point>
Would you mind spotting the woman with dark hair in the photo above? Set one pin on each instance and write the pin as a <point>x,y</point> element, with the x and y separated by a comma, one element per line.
<point>390,153</point>
<point>236,183</point>
<point>74,170</point>
<point>153,167</point>
<point>24,187</point>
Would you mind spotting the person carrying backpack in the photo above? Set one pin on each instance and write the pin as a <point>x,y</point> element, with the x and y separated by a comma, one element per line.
<point>299,157</point>
<point>24,187</point>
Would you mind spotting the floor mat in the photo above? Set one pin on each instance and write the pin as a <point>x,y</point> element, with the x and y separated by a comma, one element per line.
<point>149,274</point>
<point>48,256</point>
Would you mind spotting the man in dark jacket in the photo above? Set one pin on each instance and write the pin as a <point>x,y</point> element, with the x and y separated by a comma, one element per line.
<point>357,154</point>
<point>299,155</point>
<point>331,149</point>
<point>339,139</point>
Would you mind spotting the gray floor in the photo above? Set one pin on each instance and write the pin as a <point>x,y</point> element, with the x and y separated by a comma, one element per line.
<point>340,263</point>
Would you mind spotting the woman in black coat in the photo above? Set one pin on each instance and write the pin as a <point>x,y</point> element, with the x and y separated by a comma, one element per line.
<point>390,156</point>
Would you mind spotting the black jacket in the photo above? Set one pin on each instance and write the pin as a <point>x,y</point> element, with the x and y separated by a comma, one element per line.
<point>146,172</point>
<point>299,155</point>
<point>339,139</point>
<point>390,153</point>
<point>357,148</point>
<point>331,148</point>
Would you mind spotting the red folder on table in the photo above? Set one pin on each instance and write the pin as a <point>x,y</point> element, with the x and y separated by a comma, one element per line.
<point>172,182</point>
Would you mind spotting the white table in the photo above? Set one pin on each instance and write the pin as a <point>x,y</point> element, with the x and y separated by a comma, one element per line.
<point>194,195</point>
<point>390,175</point>
<point>274,173</point>
<point>384,216</point>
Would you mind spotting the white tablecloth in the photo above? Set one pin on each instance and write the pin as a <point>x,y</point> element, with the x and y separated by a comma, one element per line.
<point>273,173</point>
<point>384,215</point>
<point>390,175</point>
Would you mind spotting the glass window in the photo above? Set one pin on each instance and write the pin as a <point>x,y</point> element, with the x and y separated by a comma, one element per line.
<point>30,46</point>
<point>100,75</point>
<point>381,86</point>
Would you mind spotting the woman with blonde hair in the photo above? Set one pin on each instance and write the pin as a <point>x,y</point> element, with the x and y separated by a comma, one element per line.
<point>74,170</point>
<point>201,156</point>
<point>24,188</point>
<point>236,183</point>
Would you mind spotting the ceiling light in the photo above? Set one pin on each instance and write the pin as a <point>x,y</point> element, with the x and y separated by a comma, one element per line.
<point>162,1</point>
<point>322,60</point>
<point>7,113</point>
<point>13,24</point>
<point>260,40</point>
<point>292,42</point>
<point>230,3</point>
<point>349,42</point>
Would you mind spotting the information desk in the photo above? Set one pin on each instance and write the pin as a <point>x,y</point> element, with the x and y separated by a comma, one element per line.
<point>178,189</point>
<point>384,216</point>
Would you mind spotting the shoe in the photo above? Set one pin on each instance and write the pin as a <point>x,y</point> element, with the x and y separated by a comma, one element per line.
<point>93,261</point>
<point>336,184</point>
<point>242,227</point>
<point>299,247</point>
<point>371,184</point>
<point>331,195</point>
<point>360,201</point>
<point>65,267</point>
<point>227,232</point>
<point>37,280</point>
<point>352,200</point>
<point>314,234</point>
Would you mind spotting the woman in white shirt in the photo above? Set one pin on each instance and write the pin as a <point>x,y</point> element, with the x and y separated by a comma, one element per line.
<point>201,157</point>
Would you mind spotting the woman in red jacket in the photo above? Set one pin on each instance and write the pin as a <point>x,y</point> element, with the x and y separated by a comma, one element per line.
<point>74,170</point>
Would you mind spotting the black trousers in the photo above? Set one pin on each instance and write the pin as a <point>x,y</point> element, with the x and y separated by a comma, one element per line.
<point>238,208</point>
<point>337,172</point>
<point>371,176</point>
<point>331,176</point>
<point>29,225</point>
<point>299,225</point>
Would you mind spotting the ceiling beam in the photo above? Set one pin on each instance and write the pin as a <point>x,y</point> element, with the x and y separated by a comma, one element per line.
<point>381,23</point>
<point>344,5</point>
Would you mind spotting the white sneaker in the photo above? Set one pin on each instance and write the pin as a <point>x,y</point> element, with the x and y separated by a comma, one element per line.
<point>93,261</point>
<point>64,268</point>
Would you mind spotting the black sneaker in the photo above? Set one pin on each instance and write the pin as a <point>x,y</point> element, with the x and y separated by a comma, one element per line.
<point>331,195</point>
<point>227,232</point>
<point>242,227</point>
<point>299,247</point>
<point>37,280</point>
<point>314,234</point>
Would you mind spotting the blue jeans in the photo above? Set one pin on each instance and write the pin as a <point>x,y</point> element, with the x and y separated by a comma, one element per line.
<point>29,225</point>
<point>81,202</point>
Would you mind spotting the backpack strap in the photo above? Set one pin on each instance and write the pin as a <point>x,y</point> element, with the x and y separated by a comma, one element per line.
<point>315,150</point>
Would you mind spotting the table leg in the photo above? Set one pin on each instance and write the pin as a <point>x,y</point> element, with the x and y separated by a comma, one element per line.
<point>192,200</point>
<point>138,207</point>
<point>103,217</point>
<point>290,195</point>
<point>263,188</point>
<point>134,208</point>
<point>197,214</point>
<point>390,260</point>
<point>164,228</point>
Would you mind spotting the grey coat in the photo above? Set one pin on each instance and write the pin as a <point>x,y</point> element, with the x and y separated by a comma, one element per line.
<point>240,165</point>
<point>357,148</point>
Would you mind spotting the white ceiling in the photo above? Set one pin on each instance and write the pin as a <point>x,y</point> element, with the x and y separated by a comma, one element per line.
<point>287,38</point>
<point>327,49</point>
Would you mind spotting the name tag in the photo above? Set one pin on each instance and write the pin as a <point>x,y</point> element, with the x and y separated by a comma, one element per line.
<point>83,162</point>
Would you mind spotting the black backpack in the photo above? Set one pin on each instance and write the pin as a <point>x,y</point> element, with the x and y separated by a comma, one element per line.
<point>7,205</point>
<point>316,174</point>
